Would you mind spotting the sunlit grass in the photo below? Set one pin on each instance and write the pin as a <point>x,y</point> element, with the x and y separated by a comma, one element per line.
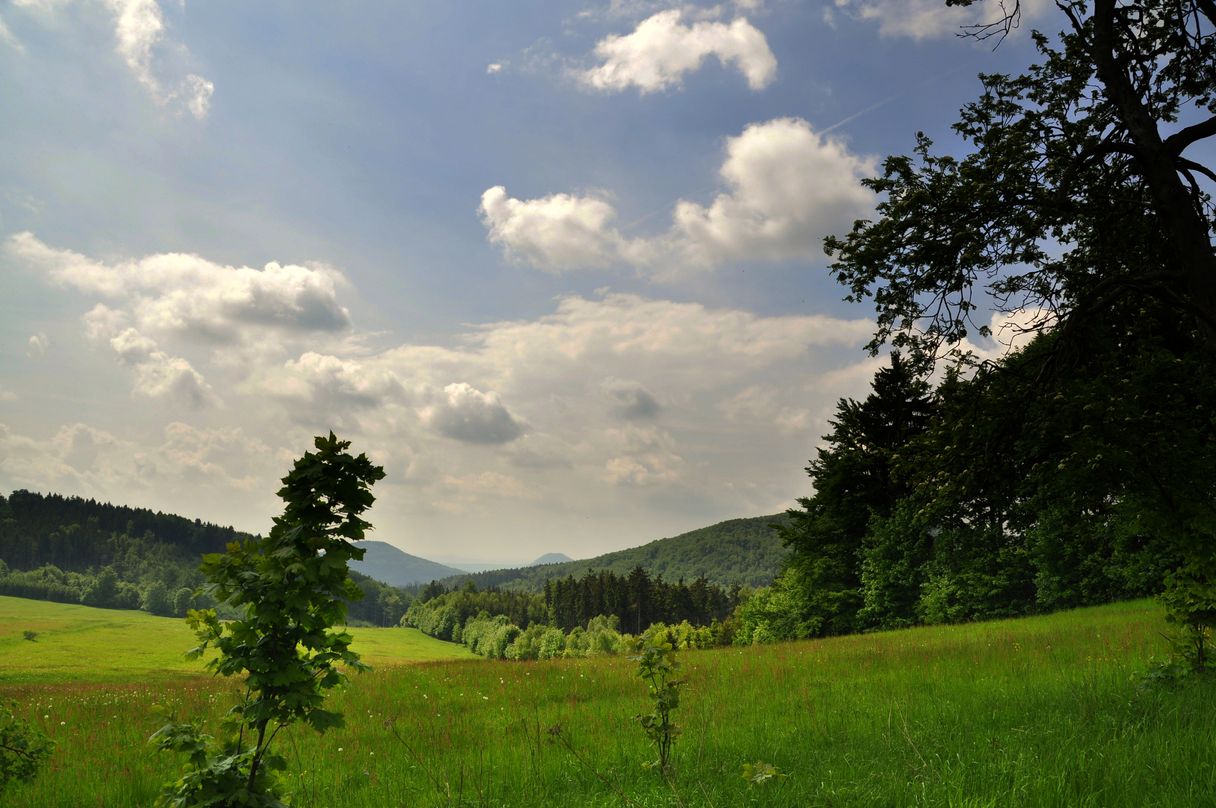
<point>1045,711</point>
<point>79,644</point>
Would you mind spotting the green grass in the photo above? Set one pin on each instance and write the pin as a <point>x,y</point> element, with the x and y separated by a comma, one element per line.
<point>81,644</point>
<point>1046,711</point>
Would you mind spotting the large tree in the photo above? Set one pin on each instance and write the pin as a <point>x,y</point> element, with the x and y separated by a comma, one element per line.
<point>1081,189</point>
<point>1080,209</point>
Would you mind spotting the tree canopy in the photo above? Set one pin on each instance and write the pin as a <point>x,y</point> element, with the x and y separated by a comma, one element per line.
<point>1080,191</point>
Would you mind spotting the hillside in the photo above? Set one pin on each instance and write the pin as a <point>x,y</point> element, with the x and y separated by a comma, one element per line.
<point>746,552</point>
<point>387,564</point>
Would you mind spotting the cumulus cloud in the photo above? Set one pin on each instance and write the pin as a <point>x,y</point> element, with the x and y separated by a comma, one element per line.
<point>37,345</point>
<point>663,49</point>
<point>787,187</point>
<point>493,67</point>
<point>464,413</point>
<point>139,28</point>
<point>926,19</point>
<point>336,382</point>
<point>159,375</point>
<point>184,294</point>
<point>553,233</point>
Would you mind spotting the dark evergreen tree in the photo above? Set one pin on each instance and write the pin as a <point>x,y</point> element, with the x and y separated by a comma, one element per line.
<point>853,482</point>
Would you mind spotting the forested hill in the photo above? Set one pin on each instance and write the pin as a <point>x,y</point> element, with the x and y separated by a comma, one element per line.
<point>746,552</point>
<point>77,534</point>
<point>76,550</point>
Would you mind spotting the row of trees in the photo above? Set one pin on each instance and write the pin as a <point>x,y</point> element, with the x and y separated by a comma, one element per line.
<point>634,601</point>
<point>497,637</point>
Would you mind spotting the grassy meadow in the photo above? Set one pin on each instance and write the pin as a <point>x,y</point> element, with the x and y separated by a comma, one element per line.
<point>1045,711</point>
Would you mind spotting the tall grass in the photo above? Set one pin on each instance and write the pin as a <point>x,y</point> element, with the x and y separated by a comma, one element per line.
<point>1043,711</point>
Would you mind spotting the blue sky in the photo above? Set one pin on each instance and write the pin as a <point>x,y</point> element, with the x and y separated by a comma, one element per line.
<point>555,265</point>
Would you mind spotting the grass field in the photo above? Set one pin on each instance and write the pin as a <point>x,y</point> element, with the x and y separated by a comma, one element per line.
<point>1046,711</point>
<point>81,644</point>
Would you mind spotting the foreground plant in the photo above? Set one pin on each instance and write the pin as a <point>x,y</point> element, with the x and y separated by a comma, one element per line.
<point>291,588</point>
<point>23,748</point>
<point>658,667</point>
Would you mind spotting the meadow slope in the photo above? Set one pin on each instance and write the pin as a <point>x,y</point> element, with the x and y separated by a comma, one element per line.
<point>1044,711</point>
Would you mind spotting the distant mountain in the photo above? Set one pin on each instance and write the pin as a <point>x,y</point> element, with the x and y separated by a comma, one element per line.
<point>551,558</point>
<point>746,552</point>
<point>387,564</point>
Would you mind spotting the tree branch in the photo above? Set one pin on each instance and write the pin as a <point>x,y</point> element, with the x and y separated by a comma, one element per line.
<point>1190,165</point>
<point>1176,143</point>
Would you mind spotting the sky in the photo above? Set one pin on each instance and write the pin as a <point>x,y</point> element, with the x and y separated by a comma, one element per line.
<point>556,266</point>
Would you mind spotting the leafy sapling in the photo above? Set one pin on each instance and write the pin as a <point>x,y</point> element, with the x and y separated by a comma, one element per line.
<point>291,589</point>
<point>23,747</point>
<point>659,669</point>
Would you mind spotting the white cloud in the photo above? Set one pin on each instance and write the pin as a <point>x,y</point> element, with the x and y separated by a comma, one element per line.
<point>183,294</point>
<point>787,188</point>
<point>464,413</point>
<point>139,29</point>
<point>663,49</point>
<point>925,19</point>
<point>37,345</point>
<point>493,67</point>
<point>159,375</point>
<point>553,233</point>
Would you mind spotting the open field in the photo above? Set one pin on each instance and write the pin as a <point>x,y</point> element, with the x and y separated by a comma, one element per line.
<point>1046,711</point>
<point>81,644</point>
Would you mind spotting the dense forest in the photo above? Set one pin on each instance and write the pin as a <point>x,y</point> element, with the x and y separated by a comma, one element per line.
<point>75,550</point>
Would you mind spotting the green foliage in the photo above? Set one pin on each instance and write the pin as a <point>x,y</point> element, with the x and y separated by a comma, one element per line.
<point>1082,468</point>
<point>760,772</point>
<point>1190,602</point>
<point>659,669</point>
<point>291,589</point>
<point>223,779</point>
<point>23,748</point>
<point>854,481</point>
